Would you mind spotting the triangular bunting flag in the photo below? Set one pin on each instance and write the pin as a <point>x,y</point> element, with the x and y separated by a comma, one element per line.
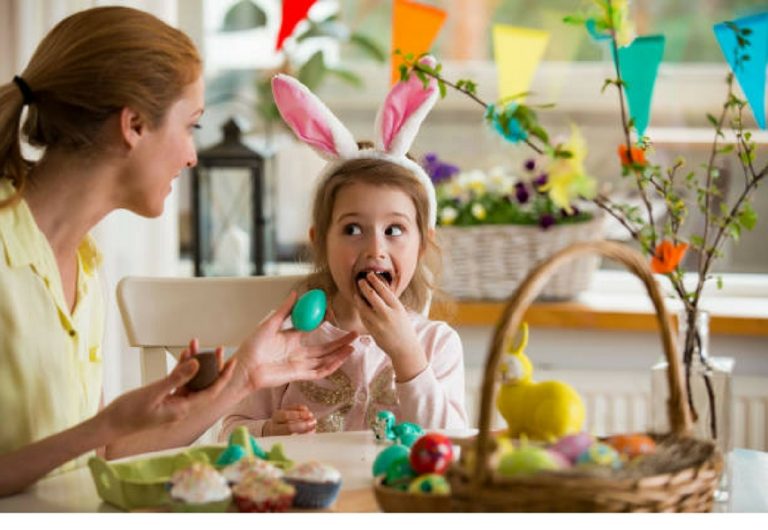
<point>748,64</point>
<point>639,66</point>
<point>414,28</point>
<point>518,52</point>
<point>294,12</point>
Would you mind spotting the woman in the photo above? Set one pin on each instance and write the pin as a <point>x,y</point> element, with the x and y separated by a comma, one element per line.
<point>112,96</point>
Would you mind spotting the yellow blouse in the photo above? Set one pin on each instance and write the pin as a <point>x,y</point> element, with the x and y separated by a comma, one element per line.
<point>50,358</point>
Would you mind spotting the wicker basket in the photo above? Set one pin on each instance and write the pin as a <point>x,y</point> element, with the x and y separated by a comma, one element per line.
<point>684,482</point>
<point>490,261</point>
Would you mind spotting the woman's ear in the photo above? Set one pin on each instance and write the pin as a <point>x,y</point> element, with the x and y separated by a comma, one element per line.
<point>132,126</point>
<point>312,234</point>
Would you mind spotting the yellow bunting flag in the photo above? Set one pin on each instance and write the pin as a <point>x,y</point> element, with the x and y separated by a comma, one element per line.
<point>414,28</point>
<point>518,52</point>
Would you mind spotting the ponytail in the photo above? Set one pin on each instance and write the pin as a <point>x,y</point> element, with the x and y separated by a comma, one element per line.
<point>12,165</point>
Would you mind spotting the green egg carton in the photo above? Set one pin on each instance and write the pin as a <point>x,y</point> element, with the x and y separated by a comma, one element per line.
<point>141,483</point>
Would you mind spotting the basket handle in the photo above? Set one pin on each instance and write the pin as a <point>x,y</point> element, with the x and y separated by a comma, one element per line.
<point>512,316</point>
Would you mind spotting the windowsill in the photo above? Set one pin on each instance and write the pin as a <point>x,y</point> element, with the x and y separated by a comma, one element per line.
<point>617,302</point>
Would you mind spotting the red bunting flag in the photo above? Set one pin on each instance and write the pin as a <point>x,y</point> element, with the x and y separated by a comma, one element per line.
<point>294,12</point>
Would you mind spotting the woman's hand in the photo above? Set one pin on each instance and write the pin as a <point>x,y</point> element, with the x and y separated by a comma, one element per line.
<point>292,420</point>
<point>165,401</point>
<point>386,319</point>
<point>272,357</point>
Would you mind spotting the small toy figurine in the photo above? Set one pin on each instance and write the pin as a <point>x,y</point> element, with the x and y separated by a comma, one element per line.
<point>386,430</point>
<point>541,411</point>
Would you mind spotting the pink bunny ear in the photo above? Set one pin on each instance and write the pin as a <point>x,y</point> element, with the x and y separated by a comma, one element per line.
<point>311,120</point>
<point>403,111</point>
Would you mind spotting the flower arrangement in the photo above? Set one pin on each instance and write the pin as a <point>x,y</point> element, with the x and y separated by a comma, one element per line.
<point>665,241</point>
<point>497,196</point>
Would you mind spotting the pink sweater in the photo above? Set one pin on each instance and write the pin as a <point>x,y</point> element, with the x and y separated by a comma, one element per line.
<point>350,398</point>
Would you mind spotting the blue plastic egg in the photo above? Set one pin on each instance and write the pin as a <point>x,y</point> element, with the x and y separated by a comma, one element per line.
<point>309,310</point>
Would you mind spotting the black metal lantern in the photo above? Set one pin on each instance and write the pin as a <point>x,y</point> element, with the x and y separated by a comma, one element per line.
<point>228,215</point>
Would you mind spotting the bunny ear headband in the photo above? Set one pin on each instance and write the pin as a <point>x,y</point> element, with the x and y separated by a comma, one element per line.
<point>397,123</point>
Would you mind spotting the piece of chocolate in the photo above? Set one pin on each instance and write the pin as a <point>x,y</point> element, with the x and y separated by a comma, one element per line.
<point>208,372</point>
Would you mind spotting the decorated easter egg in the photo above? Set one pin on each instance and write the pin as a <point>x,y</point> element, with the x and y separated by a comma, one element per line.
<point>400,474</point>
<point>573,445</point>
<point>309,310</point>
<point>230,455</point>
<point>632,445</point>
<point>387,456</point>
<point>432,453</point>
<point>599,454</point>
<point>527,461</point>
<point>430,484</point>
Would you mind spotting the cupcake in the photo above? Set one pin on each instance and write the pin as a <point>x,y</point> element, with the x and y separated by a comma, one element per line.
<point>250,467</point>
<point>199,488</point>
<point>254,494</point>
<point>317,485</point>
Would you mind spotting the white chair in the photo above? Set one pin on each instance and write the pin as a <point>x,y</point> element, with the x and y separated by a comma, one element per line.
<point>161,315</point>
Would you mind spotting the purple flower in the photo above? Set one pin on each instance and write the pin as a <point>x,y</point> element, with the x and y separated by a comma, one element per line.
<point>438,171</point>
<point>530,164</point>
<point>546,220</point>
<point>521,193</point>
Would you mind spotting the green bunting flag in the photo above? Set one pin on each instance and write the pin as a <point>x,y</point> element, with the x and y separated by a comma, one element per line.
<point>639,66</point>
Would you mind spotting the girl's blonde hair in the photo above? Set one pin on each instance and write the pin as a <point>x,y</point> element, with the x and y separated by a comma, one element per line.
<point>375,172</point>
<point>91,65</point>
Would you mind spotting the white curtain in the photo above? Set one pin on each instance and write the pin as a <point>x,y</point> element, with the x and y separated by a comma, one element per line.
<point>131,245</point>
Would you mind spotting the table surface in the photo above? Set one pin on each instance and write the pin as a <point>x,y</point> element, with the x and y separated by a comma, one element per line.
<point>353,454</point>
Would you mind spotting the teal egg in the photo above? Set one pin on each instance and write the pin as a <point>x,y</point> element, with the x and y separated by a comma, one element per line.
<point>230,455</point>
<point>387,456</point>
<point>400,474</point>
<point>257,450</point>
<point>309,310</point>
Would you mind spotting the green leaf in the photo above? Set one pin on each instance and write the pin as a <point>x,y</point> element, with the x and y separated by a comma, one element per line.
<point>403,72</point>
<point>347,76</point>
<point>697,241</point>
<point>313,71</point>
<point>734,230</point>
<point>244,15</point>
<point>442,88</point>
<point>747,217</point>
<point>719,281</point>
<point>712,119</point>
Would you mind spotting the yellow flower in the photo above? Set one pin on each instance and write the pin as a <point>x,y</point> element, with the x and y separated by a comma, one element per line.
<point>478,211</point>
<point>567,178</point>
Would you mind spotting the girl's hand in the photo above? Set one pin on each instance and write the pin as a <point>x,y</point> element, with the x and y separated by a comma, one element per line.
<point>292,420</point>
<point>165,401</point>
<point>273,357</point>
<point>386,319</point>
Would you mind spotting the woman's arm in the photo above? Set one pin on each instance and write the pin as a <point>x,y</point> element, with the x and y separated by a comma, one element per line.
<point>269,357</point>
<point>149,405</point>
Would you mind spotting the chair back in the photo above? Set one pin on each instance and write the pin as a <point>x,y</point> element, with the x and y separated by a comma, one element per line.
<point>161,315</point>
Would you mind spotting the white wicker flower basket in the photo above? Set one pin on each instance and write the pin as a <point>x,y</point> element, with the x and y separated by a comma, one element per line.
<point>490,261</point>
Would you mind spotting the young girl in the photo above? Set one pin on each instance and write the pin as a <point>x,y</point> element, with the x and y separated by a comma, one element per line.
<point>375,255</point>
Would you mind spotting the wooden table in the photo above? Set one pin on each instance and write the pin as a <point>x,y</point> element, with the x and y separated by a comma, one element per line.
<point>353,454</point>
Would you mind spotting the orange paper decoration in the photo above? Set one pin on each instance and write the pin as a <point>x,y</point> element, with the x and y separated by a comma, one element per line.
<point>667,256</point>
<point>294,12</point>
<point>414,28</point>
<point>638,155</point>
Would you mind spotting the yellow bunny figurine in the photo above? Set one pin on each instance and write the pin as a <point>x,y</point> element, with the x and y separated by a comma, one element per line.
<point>541,411</point>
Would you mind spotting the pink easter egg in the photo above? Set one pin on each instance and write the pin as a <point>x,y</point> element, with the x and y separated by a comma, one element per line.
<point>573,445</point>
